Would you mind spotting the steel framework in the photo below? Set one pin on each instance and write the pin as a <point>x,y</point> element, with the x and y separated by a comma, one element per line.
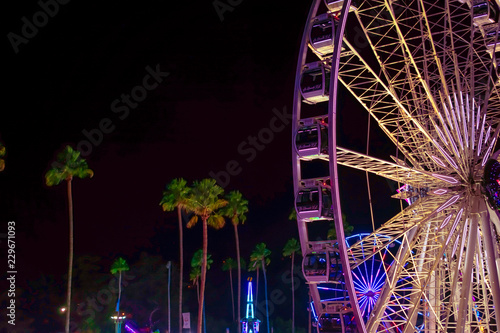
<point>427,74</point>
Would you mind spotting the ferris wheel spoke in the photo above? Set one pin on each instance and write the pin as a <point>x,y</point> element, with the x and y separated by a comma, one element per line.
<point>400,225</point>
<point>414,268</point>
<point>402,128</point>
<point>390,45</point>
<point>399,173</point>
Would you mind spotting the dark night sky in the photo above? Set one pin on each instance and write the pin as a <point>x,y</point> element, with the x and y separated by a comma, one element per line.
<point>225,78</point>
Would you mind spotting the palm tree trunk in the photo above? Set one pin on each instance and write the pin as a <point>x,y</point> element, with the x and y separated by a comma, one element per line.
<point>265,295</point>
<point>181,266</point>
<point>117,325</point>
<point>239,275</point>
<point>203,274</point>
<point>70,266</point>
<point>293,297</point>
<point>198,291</point>
<point>232,293</point>
<point>257,287</point>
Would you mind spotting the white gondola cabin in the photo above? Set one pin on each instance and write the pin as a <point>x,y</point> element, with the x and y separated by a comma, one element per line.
<point>313,201</point>
<point>311,139</point>
<point>315,82</point>
<point>336,318</point>
<point>493,41</point>
<point>336,5</point>
<point>322,34</point>
<point>485,12</point>
<point>321,263</point>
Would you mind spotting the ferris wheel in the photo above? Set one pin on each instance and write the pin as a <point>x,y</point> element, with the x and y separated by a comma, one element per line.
<point>427,73</point>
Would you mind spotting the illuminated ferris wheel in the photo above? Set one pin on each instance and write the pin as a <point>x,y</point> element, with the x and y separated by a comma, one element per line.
<point>427,73</point>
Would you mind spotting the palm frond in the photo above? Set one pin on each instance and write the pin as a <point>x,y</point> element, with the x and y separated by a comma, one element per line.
<point>119,265</point>
<point>216,221</point>
<point>175,195</point>
<point>68,164</point>
<point>192,222</point>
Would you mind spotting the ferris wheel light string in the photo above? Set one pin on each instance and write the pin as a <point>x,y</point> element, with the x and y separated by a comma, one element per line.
<point>445,221</point>
<point>467,107</point>
<point>455,247</point>
<point>480,142</point>
<point>438,161</point>
<point>457,107</point>
<point>459,136</point>
<point>447,116</point>
<point>464,123</point>
<point>447,179</point>
<point>457,219</point>
<point>487,135</point>
<point>453,112</point>
<point>462,245</point>
<point>473,132</point>
<point>448,203</point>
<point>441,135</point>
<point>478,117</point>
<point>445,154</point>
<point>488,152</point>
<point>440,191</point>
<point>453,145</point>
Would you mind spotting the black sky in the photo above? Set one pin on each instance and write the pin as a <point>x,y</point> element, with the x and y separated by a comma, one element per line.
<point>225,79</point>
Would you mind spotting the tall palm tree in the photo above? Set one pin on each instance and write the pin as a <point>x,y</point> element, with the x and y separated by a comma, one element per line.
<point>228,265</point>
<point>175,197</point>
<point>118,266</point>
<point>204,201</point>
<point>260,255</point>
<point>68,165</point>
<point>292,247</point>
<point>236,209</point>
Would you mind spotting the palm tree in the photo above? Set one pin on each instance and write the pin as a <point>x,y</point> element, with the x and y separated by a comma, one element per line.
<point>195,273</point>
<point>196,264</point>
<point>68,165</point>
<point>236,209</point>
<point>194,277</point>
<point>332,232</point>
<point>292,246</point>
<point>204,201</point>
<point>2,154</point>
<point>228,265</point>
<point>260,255</point>
<point>119,265</point>
<point>175,197</point>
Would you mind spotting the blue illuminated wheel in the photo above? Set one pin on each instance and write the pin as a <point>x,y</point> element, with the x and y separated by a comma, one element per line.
<point>370,276</point>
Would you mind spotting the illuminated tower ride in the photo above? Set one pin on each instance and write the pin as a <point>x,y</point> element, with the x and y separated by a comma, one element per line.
<point>427,74</point>
<point>250,324</point>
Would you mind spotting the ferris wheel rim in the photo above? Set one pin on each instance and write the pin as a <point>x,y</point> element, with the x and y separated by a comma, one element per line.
<point>449,201</point>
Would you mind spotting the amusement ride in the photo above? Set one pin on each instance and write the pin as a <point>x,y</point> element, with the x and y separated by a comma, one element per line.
<point>426,73</point>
